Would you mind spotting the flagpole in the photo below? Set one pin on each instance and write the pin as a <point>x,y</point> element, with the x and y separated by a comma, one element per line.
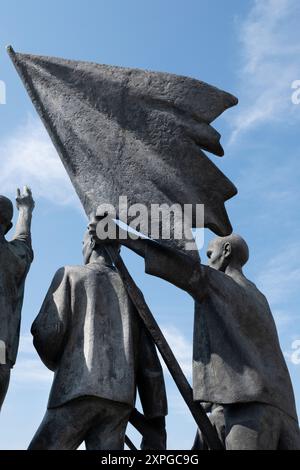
<point>130,444</point>
<point>209,433</point>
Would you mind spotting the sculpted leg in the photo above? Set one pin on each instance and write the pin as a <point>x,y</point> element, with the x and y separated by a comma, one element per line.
<point>108,432</point>
<point>217,420</point>
<point>252,426</point>
<point>290,434</point>
<point>63,428</point>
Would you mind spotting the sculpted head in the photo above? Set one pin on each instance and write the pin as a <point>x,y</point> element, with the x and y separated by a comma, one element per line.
<point>6,213</point>
<point>224,252</point>
<point>94,249</point>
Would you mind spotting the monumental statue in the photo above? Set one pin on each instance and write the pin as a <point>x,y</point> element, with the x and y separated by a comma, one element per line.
<point>133,133</point>
<point>237,361</point>
<point>139,135</point>
<point>16,257</point>
<point>88,333</point>
<point>142,135</point>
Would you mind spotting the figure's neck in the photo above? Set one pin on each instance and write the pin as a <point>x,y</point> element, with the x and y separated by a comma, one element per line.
<point>100,258</point>
<point>234,271</point>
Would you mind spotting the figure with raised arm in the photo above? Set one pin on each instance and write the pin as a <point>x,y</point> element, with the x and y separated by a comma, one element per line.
<point>15,260</point>
<point>238,366</point>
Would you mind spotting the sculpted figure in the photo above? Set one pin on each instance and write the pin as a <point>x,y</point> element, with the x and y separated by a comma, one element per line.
<point>15,259</point>
<point>88,333</point>
<point>238,366</point>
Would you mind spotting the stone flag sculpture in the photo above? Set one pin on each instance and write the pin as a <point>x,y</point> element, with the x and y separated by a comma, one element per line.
<point>133,133</point>
<point>139,134</point>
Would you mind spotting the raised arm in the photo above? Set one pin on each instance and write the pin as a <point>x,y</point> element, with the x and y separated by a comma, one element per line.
<point>169,264</point>
<point>25,206</point>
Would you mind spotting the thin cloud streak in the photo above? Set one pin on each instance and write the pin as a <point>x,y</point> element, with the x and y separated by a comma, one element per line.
<point>270,47</point>
<point>29,368</point>
<point>280,278</point>
<point>28,158</point>
<point>181,347</point>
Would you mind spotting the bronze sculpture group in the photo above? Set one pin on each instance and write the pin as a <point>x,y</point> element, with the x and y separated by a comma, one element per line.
<point>91,329</point>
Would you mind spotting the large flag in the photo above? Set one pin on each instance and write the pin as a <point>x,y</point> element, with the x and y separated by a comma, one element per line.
<point>134,133</point>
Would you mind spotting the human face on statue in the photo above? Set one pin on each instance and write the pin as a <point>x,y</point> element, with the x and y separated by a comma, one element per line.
<point>218,254</point>
<point>88,247</point>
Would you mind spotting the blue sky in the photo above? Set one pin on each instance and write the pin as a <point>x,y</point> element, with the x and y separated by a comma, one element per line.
<point>249,48</point>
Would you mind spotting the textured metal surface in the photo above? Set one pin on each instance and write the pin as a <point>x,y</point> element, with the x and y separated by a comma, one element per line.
<point>132,132</point>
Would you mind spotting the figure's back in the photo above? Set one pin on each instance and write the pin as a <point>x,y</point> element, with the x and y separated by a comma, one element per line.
<point>15,259</point>
<point>99,353</point>
<point>237,355</point>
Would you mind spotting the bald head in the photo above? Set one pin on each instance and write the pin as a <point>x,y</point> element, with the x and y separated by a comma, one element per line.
<point>228,251</point>
<point>6,213</point>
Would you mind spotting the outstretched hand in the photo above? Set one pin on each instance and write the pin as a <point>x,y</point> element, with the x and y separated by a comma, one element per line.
<point>25,200</point>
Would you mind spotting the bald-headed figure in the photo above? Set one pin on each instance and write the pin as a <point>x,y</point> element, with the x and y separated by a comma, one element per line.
<point>228,253</point>
<point>238,366</point>
<point>15,259</point>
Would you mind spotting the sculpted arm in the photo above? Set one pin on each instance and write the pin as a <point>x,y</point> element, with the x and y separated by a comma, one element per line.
<point>25,206</point>
<point>50,327</point>
<point>169,264</point>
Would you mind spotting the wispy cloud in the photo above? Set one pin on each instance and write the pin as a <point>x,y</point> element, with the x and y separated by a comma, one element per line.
<point>270,47</point>
<point>293,355</point>
<point>28,158</point>
<point>32,372</point>
<point>280,278</point>
<point>26,344</point>
<point>283,318</point>
<point>181,347</point>
<point>29,369</point>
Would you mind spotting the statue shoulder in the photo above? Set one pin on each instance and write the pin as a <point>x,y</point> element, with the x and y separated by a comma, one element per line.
<point>69,270</point>
<point>73,271</point>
